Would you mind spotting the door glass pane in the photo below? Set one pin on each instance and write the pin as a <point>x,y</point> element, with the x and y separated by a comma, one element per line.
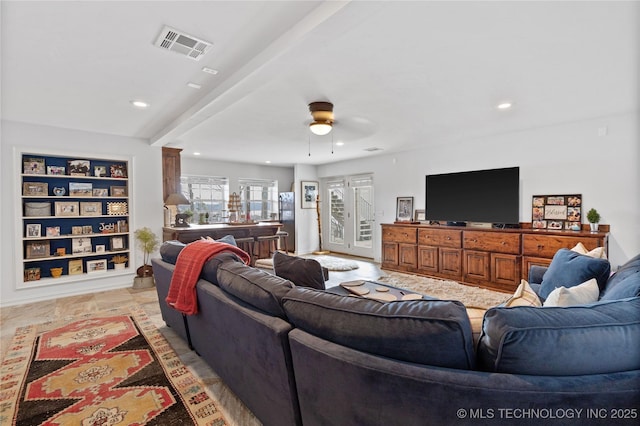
<point>363,216</point>
<point>336,212</point>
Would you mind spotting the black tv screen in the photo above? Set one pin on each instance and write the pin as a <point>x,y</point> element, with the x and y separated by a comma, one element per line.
<point>491,196</point>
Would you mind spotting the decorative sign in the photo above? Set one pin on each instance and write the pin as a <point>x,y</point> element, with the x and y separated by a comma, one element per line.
<point>561,212</point>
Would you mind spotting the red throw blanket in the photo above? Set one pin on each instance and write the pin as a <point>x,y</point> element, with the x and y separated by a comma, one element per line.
<point>182,290</point>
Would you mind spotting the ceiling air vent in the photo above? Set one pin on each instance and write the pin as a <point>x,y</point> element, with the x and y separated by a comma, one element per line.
<point>182,43</point>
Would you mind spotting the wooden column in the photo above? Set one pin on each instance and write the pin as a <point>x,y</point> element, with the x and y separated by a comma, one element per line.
<point>170,171</point>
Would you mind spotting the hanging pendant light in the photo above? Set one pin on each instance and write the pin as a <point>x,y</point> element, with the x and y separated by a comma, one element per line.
<point>322,113</point>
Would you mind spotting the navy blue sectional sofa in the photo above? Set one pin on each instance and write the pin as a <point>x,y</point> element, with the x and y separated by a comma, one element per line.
<point>297,355</point>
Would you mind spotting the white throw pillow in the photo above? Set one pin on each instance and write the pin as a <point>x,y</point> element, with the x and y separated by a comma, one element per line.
<point>523,296</point>
<point>582,294</point>
<point>597,252</point>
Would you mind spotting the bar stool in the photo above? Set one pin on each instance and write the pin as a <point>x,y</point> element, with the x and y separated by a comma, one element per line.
<point>271,239</point>
<point>246,244</point>
<point>282,240</point>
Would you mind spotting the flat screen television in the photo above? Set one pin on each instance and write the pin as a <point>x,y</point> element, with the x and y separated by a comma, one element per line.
<point>491,196</point>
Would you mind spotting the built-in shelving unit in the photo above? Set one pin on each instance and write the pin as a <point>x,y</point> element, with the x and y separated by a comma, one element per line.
<point>74,218</point>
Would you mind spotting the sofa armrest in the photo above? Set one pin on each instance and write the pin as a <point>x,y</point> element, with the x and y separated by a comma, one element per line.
<point>535,274</point>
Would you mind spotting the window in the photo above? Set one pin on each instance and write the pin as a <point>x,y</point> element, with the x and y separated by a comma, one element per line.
<point>207,194</point>
<point>259,198</point>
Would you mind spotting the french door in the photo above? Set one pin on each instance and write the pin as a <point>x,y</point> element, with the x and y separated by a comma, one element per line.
<point>349,215</point>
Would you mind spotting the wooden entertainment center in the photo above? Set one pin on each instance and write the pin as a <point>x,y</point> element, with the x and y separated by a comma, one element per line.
<point>487,257</point>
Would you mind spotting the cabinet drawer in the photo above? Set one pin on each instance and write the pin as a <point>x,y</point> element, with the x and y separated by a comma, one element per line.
<point>548,245</point>
<point>399,234</point>
<point>499,242</point>
<point>440,237</point>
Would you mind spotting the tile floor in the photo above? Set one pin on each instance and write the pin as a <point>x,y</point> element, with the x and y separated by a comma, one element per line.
<point>234,411</point>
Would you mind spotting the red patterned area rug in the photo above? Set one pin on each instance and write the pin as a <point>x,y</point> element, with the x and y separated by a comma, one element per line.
<point>110,368</point>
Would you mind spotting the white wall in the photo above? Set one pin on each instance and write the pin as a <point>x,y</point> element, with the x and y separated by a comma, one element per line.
<point>569,158</point>
<point>145,199</point>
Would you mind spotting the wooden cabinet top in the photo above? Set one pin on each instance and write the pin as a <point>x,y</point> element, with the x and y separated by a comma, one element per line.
<point>526,229</point>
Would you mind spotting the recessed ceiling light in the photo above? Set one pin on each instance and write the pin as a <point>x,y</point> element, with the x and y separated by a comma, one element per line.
<point>209,70</point>
<point>339,143</point>
<point>268,161</point>
<point>139,104</point>
<point>196,153</point>
<point>504,105</point>
<point>194,85</point>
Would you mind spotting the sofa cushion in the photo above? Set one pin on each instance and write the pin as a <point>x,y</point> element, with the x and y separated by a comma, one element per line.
<point>569,268</point>
<point>597,252</point>
<point>600,338</point>
<point>431,332</point>
<point>302,272</point>
<point>582,294</point>
<point>625,282</point>
<point>256,287</point>
<point>523,296</point>
<point>169,250</point>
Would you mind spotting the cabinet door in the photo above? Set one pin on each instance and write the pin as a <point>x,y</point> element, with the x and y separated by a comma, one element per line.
<point>408,255</point>
<point>428,258</point>
<point>390,253</point>
<point>476,266</point>
<point>505,270</point>
<point>528,261</point>
<point>450,262</point>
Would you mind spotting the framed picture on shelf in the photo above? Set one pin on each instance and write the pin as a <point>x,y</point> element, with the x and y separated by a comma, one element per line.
<point>117,243</point>
<point>87,229</point>
<point>33,166</point>
<point>75,267</point>
<point>96,266</point>
<point>118,171</point>
<point>53,231</point>
<point>100,171</point>
<point>100,192</point>
<point>40,189</point>
<point>92,208</point>
<point>56,170</point>
<point>33,230</point>
<point>37,249</point>
<point>76,230</point>
<point>32,274</point>
<point>61,251</point>
<point>117,209</point>
<point>419,216</point>
<point>309,194</point>
<point>81,245</point>
<point>80,189</point>
<point>67,208</point>
<point>79,167</point>
<point>404,209</point>
<point>101,248</point>
<point>118,191</point>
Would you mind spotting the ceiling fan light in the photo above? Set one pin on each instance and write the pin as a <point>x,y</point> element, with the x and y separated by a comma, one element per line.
<point>320,128</point>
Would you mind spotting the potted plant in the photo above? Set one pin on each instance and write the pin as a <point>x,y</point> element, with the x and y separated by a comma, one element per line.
<point>148,242</point>
<point>119,261</point>
<point>594,218</point>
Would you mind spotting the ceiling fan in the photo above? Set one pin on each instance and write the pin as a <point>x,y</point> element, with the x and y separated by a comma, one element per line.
<point>322,113</point>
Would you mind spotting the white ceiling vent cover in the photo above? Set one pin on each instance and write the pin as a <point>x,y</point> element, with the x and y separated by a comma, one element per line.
<point>182,43</point>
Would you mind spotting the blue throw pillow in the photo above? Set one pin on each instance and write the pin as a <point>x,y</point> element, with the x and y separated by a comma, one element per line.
<point>625,282</point>
<point>569,269</point>
<point>169,251</point>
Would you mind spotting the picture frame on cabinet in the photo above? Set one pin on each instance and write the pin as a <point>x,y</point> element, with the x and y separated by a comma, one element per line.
<point>91,208</point>
<point>37,249</point>
<point>79,167</point>
<point>118,171</point>
<point>81,245</point>
<point>100,171</point>
<point>117,243</point>
<point>33,166</point>
<point>420,216</point>
<point>404,209</point>
<point>40,189</point>
<point>80,189</point>
<point>33,230</point>
<point>75,267</point>
<point>96,266</point>
<point>56,170</point>
<point>100,192</point>
<point>67,208</point>
<point>118,191</point>
<point>53,231</point>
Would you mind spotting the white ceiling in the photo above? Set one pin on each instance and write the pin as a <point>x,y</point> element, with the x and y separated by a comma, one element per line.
<point>400,74</point>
